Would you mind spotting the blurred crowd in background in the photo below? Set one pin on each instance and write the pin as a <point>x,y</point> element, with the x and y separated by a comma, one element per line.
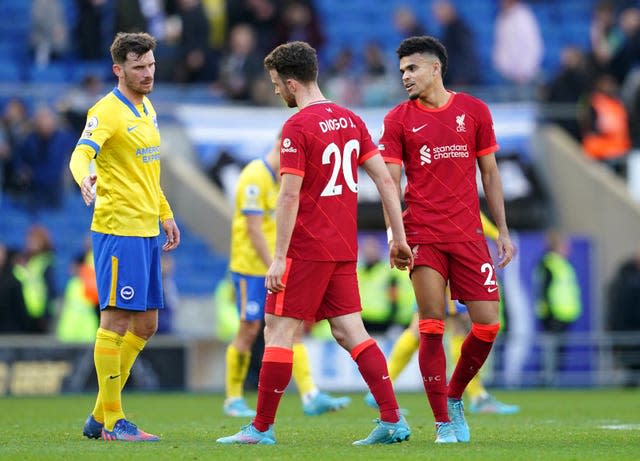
<point>592,88</point>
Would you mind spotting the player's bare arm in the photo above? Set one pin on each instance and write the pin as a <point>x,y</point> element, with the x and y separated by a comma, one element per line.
<point>400,254</point>
<point>492,185</point>
<point>286,214</point>
<point>172,233</point>
<point>396,172</point>
<point>256,236</point>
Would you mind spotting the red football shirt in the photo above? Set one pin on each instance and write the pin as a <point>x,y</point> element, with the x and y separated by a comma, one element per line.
<point>439,150</point>
<point>325,143</point>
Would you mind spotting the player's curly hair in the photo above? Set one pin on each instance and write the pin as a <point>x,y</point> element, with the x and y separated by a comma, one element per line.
<point>296,60</point>
<point>131,42</point>
<point>424,44</point>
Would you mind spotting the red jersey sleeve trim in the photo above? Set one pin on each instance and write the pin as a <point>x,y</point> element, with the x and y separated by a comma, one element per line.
<point>392,160</point>
<point>488,150</point>
<point>291,171</point>
<point>367,156</point>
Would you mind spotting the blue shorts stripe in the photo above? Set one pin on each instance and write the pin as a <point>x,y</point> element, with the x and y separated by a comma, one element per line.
<point>250,296</point>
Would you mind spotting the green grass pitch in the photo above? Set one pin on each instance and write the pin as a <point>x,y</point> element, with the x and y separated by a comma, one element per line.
<point>552,425</point>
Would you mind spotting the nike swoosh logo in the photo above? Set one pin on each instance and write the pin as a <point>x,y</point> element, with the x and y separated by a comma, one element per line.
<point>114,377</point>
<point>131,128</point>
<point>416,129</point>
<point>491,290</point>
<point>278,391</point>
<point>385,377</point>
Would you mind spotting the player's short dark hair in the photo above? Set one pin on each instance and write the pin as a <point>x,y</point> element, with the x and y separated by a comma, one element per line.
<point>427,45</point>
<point>131,42</point>
<point>296,60</point>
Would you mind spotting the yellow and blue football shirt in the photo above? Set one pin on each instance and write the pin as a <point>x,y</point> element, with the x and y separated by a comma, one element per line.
<point>256,193</point>
<point>124,140</point>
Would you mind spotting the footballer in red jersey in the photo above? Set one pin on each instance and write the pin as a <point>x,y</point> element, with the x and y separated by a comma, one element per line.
<point>325,143</point>
<point>313,273</point>
<point>441,138</point>
<point>439,148</point>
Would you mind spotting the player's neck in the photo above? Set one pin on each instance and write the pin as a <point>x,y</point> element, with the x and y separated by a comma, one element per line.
<point>134,97</point>
<point>435,98</point>
<point>308,96</point>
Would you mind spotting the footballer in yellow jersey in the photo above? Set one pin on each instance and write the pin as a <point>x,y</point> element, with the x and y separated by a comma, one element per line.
<point>256,195</point>
<point>252,245</point>
<point>121,136</point>
<point>124,140</point>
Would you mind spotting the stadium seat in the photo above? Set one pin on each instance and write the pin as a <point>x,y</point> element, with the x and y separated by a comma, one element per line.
<point>10,72</point>
<point>54,73</point>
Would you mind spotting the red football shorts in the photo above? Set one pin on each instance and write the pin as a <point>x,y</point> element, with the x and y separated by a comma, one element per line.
<point>467,266</point>
<point>316,290</point>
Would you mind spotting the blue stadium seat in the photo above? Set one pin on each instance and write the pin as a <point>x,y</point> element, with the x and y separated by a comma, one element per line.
<point>54,73</point>
<point>79,70</point>
<point>10,72</point>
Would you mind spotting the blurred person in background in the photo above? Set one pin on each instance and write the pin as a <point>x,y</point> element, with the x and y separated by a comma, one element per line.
<point>565,90</point>
<point>140,16</point>
<point>376,85</point>
<point>170,295</point>
<point>457,38</point>
<point>406,23</point>
<point>518,47</point>
<point>79,314</point>
<point>341,81</point>
<point>5,157</point>
<point>378,287</point>
<point>49,33</point>
<point>74,104</point>
<point>604,123</point>
<point>197,62</point>
<point>16,125</point>
<point>263,15</point>
<point>240,64</point>
<point>298,21</point>
<point>604,34</point>
<point>558,302</point>
<point>35,271</point>
<point>40,161</point>
<point>627,55</point>
<point>623,316</point>
<point>91,29</point>
<point>14,317</point>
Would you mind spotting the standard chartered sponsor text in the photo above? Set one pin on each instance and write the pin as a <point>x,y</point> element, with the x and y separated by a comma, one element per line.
<point>450,151</point>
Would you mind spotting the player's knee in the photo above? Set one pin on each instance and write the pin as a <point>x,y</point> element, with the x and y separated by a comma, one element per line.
<point>340,335</point>
<point>484,332</point>
<point>248,332</point>
<point>146,330</point>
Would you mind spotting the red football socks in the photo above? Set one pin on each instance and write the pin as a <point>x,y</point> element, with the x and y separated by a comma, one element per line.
<point>474,352</point>
<point>275,374</point>
<point>373,368</point>
<point>433,367</point>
